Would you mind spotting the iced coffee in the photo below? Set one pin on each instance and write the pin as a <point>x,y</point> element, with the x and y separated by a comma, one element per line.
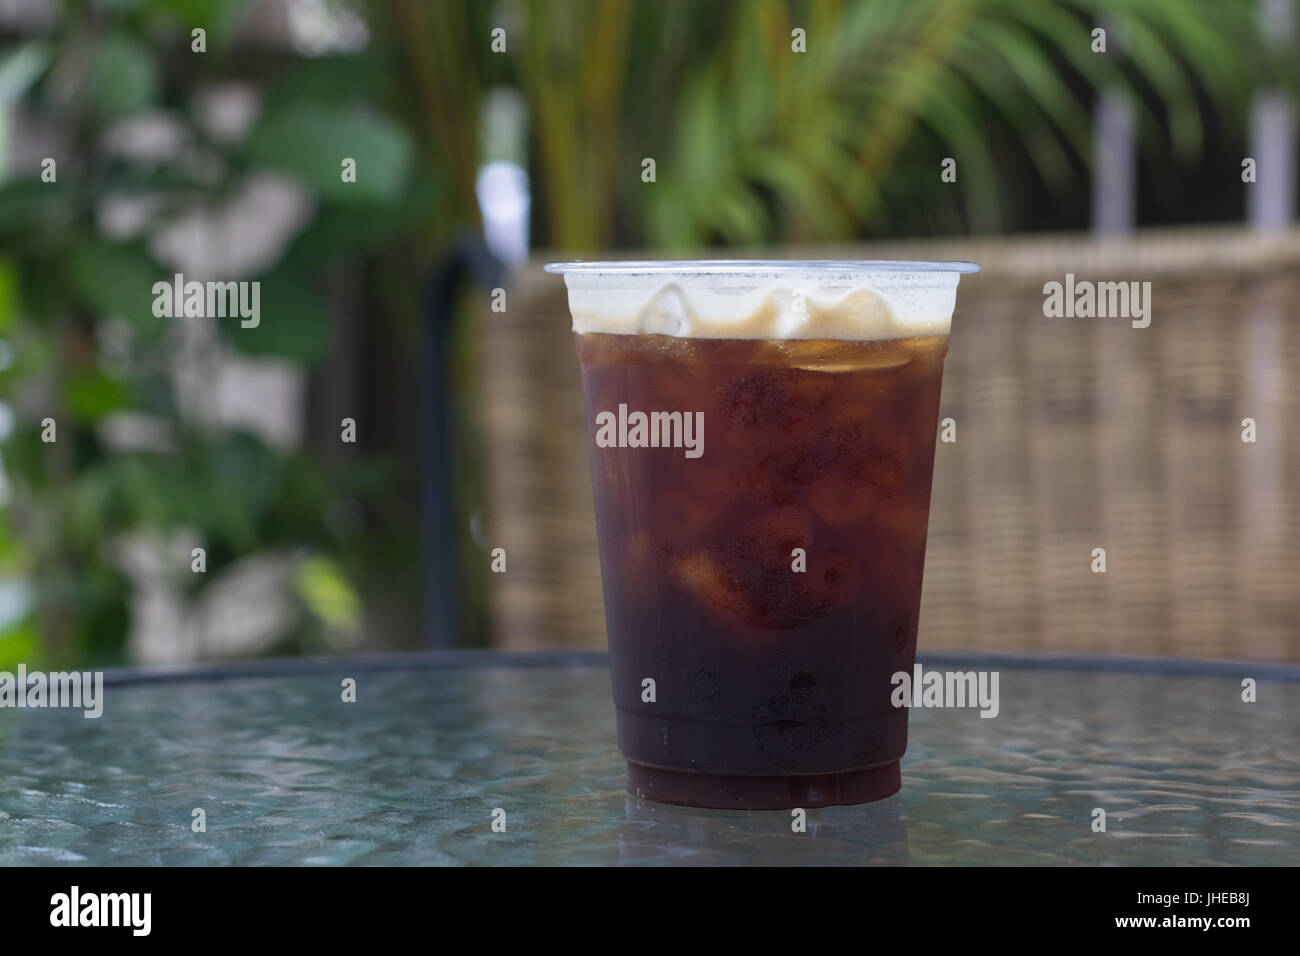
<point>762,440</point>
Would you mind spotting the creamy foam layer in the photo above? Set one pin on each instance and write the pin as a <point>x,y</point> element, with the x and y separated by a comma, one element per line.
<point>781,303</point>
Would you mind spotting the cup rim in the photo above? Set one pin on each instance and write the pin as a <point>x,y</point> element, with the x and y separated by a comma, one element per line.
<point>707,267</point>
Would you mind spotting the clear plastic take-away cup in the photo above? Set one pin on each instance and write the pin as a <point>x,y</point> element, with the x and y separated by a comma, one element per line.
<point>762,439</point>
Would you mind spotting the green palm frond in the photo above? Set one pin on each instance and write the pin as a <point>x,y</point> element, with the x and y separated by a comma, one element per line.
<point>825,131</point>
<point>753,142</point>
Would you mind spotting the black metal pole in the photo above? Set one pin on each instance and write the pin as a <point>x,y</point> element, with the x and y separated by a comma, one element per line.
<point>467,260</point>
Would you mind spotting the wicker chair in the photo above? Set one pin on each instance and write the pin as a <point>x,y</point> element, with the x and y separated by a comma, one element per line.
<point>1072,434</point>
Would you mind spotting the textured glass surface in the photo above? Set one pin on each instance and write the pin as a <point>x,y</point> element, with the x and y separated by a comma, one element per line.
<point>411,773</point>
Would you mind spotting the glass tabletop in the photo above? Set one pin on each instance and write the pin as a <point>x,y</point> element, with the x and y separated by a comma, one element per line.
<point>436,748</point>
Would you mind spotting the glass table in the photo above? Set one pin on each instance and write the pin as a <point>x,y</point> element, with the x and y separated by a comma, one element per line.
<point>438,746</point>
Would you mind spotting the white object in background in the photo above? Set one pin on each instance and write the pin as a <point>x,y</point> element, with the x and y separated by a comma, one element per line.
<point>241,612</point>
<point>504,201</point>
<point>1114,164</point>
<point>1270,199</point>
<point>504,197</point>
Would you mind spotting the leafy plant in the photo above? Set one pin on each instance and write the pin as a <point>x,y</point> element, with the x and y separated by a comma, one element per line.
<point>70,286</point>
<point>756,143</point>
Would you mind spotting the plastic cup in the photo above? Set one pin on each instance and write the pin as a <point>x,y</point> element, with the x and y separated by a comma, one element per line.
<point>762,439</point>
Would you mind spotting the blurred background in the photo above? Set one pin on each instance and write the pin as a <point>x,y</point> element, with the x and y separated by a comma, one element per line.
<point>335,479</point>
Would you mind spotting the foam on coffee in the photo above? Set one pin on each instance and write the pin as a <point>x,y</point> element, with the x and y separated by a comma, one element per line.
<point>850,304</point>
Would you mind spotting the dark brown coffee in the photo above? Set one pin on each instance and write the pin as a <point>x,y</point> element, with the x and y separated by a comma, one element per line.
<point>759,596</point>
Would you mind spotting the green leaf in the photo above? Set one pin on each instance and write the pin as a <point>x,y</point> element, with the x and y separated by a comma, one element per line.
<point>324,588</point>
<point>8,296</point>
<point>293,323</point>
<point>25,455</point>
<point>798,186</point>
<point>310,141</point>
<point>1148,45</point>
<point>739,216</point>
<point>21,67</point>
<point>243,468</point>
<point>346,231</point>
<point>19,644</point>
<point>951,114</point>
<point>125,76</point>
<point>1045,140</point>
<point>91,396</point>
<point>116,280</point>
<point>220,18</point>
<point>88,507</point>
<point>327,79</point>
<point>27,205</point>
<point>1021,54</point>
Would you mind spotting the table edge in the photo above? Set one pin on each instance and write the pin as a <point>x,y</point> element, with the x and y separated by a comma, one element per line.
<point>485,658</point>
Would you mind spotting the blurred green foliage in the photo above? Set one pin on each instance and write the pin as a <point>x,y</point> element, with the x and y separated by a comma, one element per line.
<point>62,277</point>
<point>753,142</point>
<point>756,144</point>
